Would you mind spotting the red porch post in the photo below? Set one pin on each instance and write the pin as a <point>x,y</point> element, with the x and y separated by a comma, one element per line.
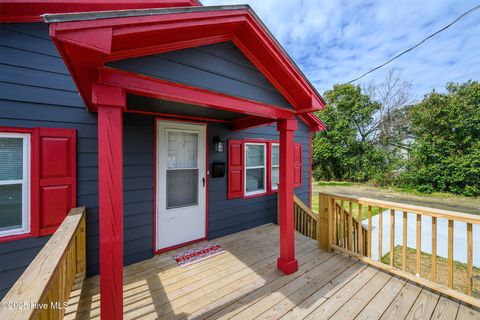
<point>111,104</point>
<point>287,262</point>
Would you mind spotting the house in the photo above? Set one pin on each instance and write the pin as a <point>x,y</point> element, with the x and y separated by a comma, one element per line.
<point>171,122</point>
<point>132,130</point>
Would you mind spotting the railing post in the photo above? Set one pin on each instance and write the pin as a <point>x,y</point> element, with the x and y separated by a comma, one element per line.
<point>81,247</point>
<point>323,225</point>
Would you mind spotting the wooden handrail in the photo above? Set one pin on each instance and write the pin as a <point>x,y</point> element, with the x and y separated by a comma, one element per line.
<point>336,223</point>
<point>43,290</point>
<point>304,207</point>
<point>353,232</point>
<point>433,212</point>
<point>306,221</point>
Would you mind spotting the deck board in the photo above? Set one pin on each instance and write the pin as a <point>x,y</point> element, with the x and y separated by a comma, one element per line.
<point>244,283</point>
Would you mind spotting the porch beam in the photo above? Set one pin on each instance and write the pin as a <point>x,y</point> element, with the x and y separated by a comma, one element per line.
<point>110,103</point>
<point>287,262</point>
<point>249,122</point>
<point>162,89</point>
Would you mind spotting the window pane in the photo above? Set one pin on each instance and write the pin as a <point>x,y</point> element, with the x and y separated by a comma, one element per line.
<point>182,149</point>
<point>10,207</point>
<point>275,154</point>
<point>255,155</point>
<point>182,188</point>
<point>11,158</point>
<point>254,179</point>
<point>275,178</point>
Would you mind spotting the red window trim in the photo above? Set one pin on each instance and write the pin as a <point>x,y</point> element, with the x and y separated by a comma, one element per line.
<point>36,229</point>
<point>31,233</point>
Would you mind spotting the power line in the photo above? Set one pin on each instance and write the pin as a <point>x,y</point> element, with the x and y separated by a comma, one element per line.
<point>418,44</point>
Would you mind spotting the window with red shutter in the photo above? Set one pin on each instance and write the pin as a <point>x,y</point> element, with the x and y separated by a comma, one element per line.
<point>38,179</point>
<point>235,169</point>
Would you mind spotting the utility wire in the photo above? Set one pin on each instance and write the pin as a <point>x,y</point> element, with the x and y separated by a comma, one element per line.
<point>418,44</point>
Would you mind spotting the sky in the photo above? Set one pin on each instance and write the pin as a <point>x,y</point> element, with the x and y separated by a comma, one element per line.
<point>334,41</point>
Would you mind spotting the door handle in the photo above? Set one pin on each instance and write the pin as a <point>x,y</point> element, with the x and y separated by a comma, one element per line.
<point>203,181</point>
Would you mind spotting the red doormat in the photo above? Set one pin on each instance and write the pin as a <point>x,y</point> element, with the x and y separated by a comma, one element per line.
<point>189,256</point>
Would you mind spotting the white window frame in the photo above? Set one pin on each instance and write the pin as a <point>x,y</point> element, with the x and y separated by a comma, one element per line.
<point>25,228</point>
<point>274,187</point>
<point>264,167</point>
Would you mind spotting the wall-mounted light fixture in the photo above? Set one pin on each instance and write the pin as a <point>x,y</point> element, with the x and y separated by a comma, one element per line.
<point>218,143</point>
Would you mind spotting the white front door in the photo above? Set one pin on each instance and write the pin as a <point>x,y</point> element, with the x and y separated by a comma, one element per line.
<point>181,179</point>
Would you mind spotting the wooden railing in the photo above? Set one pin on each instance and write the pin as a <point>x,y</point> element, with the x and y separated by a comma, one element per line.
<point>350,233</point>
<point>43,290</point>
<point>401,260</point>
<point>306,222</point>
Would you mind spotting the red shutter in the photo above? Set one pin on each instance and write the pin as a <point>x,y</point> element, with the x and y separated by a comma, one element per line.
<point>297,167</point>
<point>53,178</point>
<point>235,169</point>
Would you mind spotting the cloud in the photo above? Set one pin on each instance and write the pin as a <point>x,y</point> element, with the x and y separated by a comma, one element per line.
<point>334,41</point>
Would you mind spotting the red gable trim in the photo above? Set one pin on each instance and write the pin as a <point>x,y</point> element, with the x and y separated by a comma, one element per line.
<point>31,10</point>
<point>313,121</point>
<point>146,33</point>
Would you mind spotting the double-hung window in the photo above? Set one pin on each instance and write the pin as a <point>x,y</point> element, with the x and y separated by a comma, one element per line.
<point>255,168</point>
<point>14,183</point>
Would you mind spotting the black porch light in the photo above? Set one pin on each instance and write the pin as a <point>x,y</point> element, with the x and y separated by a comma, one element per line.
<point>218,143</point>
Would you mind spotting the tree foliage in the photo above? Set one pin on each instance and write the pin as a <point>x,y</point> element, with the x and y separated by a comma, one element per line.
<point>446,152</point>
<point>377,135</point>
<point>344,152</point>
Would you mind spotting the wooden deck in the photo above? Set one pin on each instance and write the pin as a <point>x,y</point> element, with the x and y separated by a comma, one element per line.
<point>244,283</point>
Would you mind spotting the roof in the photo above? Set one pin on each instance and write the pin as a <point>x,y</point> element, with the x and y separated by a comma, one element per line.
<point>87,39</point>
<point>88,16</point>
<point>14,11</point>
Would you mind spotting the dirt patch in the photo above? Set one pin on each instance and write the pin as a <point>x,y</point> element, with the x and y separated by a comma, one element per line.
<point>459,269</point>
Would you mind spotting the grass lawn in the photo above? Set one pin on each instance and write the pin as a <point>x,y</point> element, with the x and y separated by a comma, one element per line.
<point>459,269</point>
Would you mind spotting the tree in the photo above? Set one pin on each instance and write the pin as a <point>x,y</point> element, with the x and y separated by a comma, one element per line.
<point>446,151</point>
<point>344,151</point>
<point>390,126</point>
<point>366,130</point>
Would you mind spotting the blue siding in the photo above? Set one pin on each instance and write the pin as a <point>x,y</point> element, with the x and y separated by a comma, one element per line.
<point>37,91</point>
<point>218,67</point>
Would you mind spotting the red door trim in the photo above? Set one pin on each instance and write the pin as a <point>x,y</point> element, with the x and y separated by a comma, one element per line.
<point>163,250</point>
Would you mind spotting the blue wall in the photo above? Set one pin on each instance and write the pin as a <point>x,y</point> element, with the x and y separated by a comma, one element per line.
<point>36,90</point>
<point>219,67</point>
